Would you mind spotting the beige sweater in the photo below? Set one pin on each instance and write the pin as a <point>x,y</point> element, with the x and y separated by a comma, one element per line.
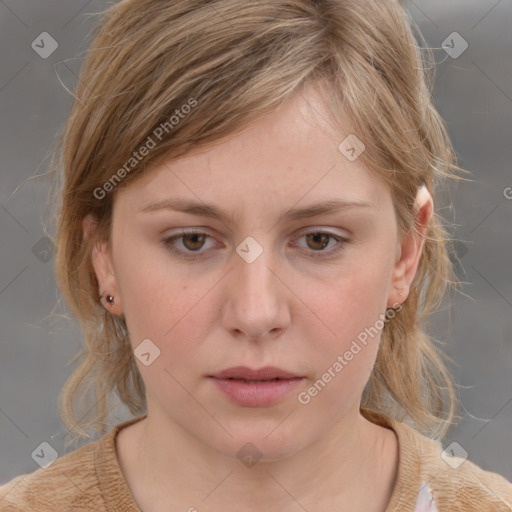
<point>90,479</point>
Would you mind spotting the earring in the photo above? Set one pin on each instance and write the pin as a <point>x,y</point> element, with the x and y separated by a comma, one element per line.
<point>109,298</point>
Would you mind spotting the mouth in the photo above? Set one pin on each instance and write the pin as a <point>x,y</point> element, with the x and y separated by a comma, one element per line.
<point>268,373</point>
<point>255,388</point>
<point>252,381</point>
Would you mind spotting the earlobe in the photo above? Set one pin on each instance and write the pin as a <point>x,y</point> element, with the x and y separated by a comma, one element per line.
<point>411,249</point>
<point>103,268</point>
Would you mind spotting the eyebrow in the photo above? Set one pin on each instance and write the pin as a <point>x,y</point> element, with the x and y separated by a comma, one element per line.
<point>209,210</point>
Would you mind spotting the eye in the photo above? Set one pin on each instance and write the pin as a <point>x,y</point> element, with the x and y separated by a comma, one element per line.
<point>317,241</point>
<point>192,241</point>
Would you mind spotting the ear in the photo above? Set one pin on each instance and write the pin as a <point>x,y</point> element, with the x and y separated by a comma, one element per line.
<point>409,253</point>
<point>101,259</point>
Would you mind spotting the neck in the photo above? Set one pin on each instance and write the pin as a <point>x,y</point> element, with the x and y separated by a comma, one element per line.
<point>353,463</point>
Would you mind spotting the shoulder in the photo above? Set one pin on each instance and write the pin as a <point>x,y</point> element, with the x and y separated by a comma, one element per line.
<point>457,483</point>
<point>69,483</point>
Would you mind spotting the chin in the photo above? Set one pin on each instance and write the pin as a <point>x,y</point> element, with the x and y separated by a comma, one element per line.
<point>267,442</point>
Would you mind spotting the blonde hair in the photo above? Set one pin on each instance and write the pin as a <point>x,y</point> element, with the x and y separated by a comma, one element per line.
<point>240,60</point>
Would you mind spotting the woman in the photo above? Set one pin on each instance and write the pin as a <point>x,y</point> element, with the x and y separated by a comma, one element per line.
<point>248,238</point>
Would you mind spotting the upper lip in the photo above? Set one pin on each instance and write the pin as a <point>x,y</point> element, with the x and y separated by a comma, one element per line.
<point>265,373</point>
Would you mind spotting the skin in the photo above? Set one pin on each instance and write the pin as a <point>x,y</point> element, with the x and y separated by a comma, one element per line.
<point>285,309</point>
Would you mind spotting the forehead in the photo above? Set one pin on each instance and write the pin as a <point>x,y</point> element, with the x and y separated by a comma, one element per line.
<point>289,157</point>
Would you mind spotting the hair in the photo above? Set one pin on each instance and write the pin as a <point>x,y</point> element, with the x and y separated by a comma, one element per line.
<point>237,61</point>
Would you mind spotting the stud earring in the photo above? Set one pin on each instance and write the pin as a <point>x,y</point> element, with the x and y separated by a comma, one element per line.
<point>108,298</point>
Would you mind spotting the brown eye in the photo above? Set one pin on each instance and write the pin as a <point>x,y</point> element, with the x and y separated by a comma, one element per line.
<point>187,244</point>
<point>193,241</point>
<point>318,241</point>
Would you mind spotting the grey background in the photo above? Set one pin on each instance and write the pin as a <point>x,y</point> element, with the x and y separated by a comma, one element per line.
<point>473,94</point>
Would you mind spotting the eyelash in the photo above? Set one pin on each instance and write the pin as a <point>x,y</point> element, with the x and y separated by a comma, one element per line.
<point>169,243</point>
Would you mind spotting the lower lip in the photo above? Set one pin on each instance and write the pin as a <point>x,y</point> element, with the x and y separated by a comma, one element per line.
<point>256,394</point>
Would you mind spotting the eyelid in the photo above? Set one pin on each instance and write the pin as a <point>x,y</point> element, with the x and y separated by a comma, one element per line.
<point>322,229</point>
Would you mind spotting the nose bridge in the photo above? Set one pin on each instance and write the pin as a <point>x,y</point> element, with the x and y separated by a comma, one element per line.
<point>254,296</point>
<point>255,259</point>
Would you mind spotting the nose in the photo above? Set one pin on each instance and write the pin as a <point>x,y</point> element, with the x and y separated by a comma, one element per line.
<point>257,302</point>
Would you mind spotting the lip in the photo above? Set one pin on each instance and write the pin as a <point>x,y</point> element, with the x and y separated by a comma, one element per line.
<point>265,373</point>
<point>256,388</point>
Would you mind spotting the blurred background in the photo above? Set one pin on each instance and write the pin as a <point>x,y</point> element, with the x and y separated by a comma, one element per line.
<point>40,55</point>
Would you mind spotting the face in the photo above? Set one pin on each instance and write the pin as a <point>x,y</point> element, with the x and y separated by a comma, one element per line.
<point>258,287</point>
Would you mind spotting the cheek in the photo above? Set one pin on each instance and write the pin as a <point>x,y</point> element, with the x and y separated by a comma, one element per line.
<point>155,295</point>
<point>353,308</point>
<point>166,309</point>
<point>352,300</point>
